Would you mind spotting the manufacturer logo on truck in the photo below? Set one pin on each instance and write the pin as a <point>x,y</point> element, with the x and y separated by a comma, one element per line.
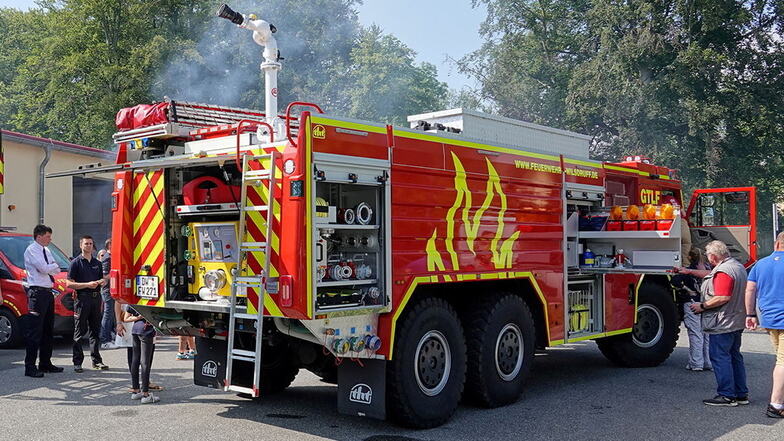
<point>209,369</point>
<point>319,132</point>
<point>361,393</point>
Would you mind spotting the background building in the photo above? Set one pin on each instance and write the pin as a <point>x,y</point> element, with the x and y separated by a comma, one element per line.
<point>72,206</point>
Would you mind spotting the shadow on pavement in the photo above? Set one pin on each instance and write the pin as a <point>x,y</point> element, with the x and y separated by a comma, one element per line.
<point>573,393</point>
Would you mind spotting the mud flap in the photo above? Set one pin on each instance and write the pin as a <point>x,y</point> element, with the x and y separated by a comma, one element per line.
<point>209,368</point>
<point>362,389</point>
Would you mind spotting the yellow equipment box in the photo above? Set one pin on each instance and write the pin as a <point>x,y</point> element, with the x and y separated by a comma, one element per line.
<point>213,253</point>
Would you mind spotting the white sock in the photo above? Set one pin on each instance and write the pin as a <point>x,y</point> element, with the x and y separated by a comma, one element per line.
<point>777,406</point>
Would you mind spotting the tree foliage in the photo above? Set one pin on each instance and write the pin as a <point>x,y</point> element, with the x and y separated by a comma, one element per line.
<point>66,67</point>
<point>696,84</point>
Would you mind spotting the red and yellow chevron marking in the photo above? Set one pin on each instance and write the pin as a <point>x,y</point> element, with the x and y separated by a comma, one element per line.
<point>256,227</point>
<point>148,231</point>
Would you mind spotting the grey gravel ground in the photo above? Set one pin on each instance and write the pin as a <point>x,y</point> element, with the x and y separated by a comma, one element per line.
<point>574,394</point>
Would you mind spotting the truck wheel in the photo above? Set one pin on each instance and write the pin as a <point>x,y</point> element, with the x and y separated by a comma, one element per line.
<point>277,371</point>
<point>500,337</point>
<point>10,330</point>
<point>426,374</point>
<point>654,335</point>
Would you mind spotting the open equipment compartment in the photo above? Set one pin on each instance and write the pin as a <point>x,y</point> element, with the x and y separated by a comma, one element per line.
<point>350,252</point>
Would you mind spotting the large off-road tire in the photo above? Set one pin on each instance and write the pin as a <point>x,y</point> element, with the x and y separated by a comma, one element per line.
<point>654,334</point>
<point>500,336</point>
<point>10,330</point>
<point>277,371</point>
<point>426,375</point>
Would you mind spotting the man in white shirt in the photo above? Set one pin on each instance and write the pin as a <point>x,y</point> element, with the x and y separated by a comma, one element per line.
<point>41,267</point>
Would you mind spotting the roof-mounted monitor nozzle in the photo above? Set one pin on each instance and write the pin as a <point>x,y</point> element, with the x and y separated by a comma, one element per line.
<point>262,35</point>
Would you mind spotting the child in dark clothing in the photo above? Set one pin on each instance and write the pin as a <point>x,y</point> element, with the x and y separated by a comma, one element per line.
<point>140,355</point>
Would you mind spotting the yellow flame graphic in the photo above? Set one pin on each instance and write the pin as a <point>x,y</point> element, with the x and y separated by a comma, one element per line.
<point>502,258</point>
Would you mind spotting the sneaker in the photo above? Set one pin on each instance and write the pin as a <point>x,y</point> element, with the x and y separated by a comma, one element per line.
<point>50,368</point>
<point>109,345</point>
<point>693,369</point>
<point>78,368</point>
<point>181,356</point>
<point>190,356</point>
<point>149,399</point>
<point>772,412</point>
<point>192,352</point>
<point>100,367</point>
<point>744,400</point>
<point>720,400</point>
<point>136,395</point>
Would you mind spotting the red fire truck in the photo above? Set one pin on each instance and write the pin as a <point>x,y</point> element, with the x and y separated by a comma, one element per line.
<point>411,266</point>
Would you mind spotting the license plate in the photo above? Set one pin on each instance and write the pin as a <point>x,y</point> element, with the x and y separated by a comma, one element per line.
<point>147,287</point>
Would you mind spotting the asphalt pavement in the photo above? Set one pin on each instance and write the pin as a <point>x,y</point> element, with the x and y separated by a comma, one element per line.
<point>574,393</point>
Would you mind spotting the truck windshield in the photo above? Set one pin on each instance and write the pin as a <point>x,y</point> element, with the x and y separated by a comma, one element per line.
<point>15,246</point>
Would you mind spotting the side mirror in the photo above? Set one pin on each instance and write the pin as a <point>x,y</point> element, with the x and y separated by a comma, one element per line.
<point>5,274</point>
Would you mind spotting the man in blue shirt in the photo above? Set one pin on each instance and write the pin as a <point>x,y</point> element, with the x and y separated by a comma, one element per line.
<point>85,276</point>
<point>765,291</point>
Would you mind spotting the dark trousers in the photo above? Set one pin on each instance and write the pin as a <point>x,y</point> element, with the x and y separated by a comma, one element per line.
<point>107,322</point>
<point>87,322</point>
<point>728,364</point>
<point>140,361</point>
<point>38,328</point>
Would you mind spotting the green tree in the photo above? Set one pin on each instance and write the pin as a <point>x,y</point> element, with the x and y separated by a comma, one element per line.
<point>89,59</point>
<point>383,82</point>
<point>696,84</point>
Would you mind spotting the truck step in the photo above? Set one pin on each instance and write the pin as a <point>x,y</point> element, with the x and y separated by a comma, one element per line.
<point>239,315</point>
<point>243,353</point>
<point>243,390</point>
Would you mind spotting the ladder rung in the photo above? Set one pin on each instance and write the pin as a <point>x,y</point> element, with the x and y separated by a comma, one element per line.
<point>248,279</point>
<point>240,315</point>
<point>255,208</point>
<point>253,244</point>
<point>256,174</point>
<point>243,358</point>
<point>240,389</point>
<point>243,353</point>
<point>257,157</point>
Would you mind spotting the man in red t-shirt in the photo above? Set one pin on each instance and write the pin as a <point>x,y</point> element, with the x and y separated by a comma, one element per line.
<point>723,314</point>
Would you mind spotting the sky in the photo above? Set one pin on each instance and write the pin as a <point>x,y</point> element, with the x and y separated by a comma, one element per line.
<point>434,29</point>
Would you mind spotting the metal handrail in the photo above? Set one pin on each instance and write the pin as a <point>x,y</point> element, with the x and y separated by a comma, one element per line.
<point>239,131</point>
<point>288,115</point>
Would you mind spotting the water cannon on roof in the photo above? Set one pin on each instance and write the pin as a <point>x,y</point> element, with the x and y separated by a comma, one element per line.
<point>263,36</point>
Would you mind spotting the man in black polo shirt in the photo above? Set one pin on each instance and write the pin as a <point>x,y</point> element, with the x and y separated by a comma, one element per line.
<point>85,276</point>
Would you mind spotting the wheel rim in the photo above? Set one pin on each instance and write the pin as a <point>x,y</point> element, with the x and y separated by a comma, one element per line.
<point>649,327</point>
<point>433,363</point>
<point>509,352</point>
<point>5,329</point>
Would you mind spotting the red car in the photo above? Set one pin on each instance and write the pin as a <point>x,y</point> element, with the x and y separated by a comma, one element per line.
<point>12,280</point>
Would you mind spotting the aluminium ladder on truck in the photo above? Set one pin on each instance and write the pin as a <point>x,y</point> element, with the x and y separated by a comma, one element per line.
<point>252,178</point>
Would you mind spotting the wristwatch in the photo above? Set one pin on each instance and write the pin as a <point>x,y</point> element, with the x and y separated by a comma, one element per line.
<point>751,315</point>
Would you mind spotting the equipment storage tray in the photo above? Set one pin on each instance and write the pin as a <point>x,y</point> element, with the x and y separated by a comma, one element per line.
<point>349,256</point>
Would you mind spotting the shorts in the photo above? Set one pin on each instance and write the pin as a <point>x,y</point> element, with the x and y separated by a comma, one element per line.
<point>777,337</point>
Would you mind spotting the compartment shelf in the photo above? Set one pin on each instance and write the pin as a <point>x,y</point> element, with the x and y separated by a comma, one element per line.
<point>347,282</point>
<point>347,227</point>
<point>627,235</point>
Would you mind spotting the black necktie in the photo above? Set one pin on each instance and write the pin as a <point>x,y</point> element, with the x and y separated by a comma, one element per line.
<point>46,259</point>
